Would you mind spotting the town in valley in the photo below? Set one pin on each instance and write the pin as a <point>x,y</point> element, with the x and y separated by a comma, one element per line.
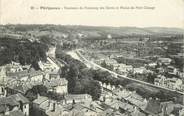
<point>68,70</point>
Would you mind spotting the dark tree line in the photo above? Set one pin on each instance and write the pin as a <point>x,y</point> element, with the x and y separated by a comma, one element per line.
<point>80,79</point>
<point>42,90</point>
<point>22,51</point>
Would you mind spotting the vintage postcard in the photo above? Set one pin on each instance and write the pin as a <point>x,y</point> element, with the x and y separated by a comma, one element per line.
<point>91,57</point>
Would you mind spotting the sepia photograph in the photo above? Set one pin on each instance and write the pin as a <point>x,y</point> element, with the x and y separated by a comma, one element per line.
<point>95,59</point>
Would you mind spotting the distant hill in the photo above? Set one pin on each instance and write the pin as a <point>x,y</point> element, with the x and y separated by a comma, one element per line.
<point>95,31</point>
<point>162,30</point>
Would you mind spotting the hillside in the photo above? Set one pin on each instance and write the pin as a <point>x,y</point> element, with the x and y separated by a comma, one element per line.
<point>94,31</point>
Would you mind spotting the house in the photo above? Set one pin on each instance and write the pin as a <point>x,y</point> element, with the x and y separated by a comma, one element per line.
<point>139,70</point>
<point>81,35</point>
<point>57,85</point>
<point>153,107</point>
<point>170,107</point>
<point>27,75</point>
<point>116,104</point>
<point>41,102</point>
<point>12,113</point>
<point>124,69</point>
<point>107,112</point>
<point>109,36</point>
<point>36,76</point>
<point>96,105</point>
<point>21,87</point>
<point>2,73</point>
<point>16,102</point>
<point>53,75</point>
<point>13,35</point>
<point>136,99</point>
<point>20,75</point>
<point>181,112</point>
<point>124,93</point>
<point>110,61</point>
<point>16,67</point>
<point>3,91</point>
<point>160,81</point>
<point>52,51</point>
<point>137,112</point>
<point>165,61</point>
<point>83,110</point>
<point>125,107</point>
<point>23,81</point>
<point>43,106</point>
<point>174,83</point>
<point>171,70</point>
<point>160,70</point>
<point>152,65</point>
<point>78,98</point>
<point>49,66</point>
<point>181,74</point>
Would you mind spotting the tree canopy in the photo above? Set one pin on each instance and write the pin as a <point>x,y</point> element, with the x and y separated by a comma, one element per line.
<point>22,51</point>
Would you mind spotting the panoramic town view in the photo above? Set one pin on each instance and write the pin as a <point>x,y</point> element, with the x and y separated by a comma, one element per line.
<point>65,70</point>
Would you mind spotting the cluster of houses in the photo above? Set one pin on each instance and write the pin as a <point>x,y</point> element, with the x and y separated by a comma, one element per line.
<point>130,103</point>
<point>121,68</point>
<point>14,105</point>
<point>171,83</point>
<point>173,79</point>
<point>168,76</point>
<point>17,80</point>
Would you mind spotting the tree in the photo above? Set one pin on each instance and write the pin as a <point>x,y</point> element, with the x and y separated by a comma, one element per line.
<point>32,93</point>
<point>22,51</point>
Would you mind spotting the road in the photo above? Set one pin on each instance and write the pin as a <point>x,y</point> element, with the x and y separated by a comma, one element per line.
<point>93,65</point>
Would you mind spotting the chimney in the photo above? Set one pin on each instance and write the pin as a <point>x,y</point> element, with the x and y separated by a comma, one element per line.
<point>38,95</point>
<point>7,112</point>
<point>52,106</point>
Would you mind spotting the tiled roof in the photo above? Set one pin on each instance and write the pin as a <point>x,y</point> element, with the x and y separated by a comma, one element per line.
<point>77,96</point>
<point>53,82</point>
<point>19,97</point>
<point>24,73</point>
<point>8,101</point>
<point>18,74</point>
<point>13,100</point>
<point>40,100</point>
<point>153,107</point>
<point>2,108</point>
<point>23,88</point>
<point>16,113</point>
<point>35,73</point>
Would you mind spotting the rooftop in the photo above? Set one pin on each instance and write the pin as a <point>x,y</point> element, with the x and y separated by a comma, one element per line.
<point>153,107</point>
<point>12,100</point>
<point>19,97</point>
<point>16,113</point>
<point>53,82</point>
<point>24,73</point>
<point>78,96</point>
<point>40,100</point>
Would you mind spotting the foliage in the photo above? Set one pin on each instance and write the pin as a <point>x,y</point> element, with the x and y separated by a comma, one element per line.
<point>55,96</point>
<point>22,51</point>
<point>80,79</point>
<point>105,65</point>
<point>41,90</point>
<point>31,94</point>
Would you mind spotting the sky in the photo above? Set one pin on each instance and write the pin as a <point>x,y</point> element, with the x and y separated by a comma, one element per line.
<point>166,13</point>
